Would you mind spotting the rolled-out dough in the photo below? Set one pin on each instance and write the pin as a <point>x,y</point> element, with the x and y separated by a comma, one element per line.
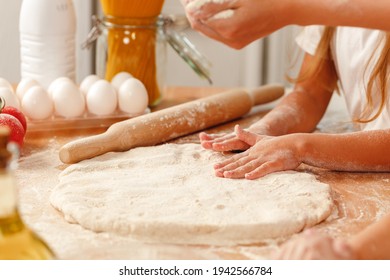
<point>169,194</point>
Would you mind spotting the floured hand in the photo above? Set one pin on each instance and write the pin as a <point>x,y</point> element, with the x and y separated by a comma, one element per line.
<point>234,22</point>
<point>222,142</point>
<point>227,142</point>
<point>268,155</point>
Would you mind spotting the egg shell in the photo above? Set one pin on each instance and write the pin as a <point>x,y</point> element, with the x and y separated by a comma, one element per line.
<point>68,100</point>
<point>24,85</point>
<point>5,83</point>
<point>36,103</point>
<point>88,82</point>
<point>133,97</point>
<point>58,81</point>
<point>102,98</point>
<point>10,97</point>
<point>119,79</point>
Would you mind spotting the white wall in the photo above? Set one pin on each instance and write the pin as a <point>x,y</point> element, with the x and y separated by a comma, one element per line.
<point>282,56</point>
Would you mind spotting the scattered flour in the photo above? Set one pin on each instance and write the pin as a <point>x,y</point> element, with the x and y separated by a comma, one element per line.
<point>169,194</point>
<point>197,4</point>
<point>224,15</point>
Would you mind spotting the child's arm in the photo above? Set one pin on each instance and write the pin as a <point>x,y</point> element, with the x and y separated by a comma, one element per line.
<point>303,108</point>
<point>299,111</point>
<point>374,241</point>
<point>298,114</point>
<point>314,245</point>
<point>359,151</point>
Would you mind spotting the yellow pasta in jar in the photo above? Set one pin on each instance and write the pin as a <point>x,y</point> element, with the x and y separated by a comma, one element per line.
<point>132,41</point>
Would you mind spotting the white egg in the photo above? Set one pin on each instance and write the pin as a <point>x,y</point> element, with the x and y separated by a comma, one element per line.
<point>10,97</point>
<point>58,81</point>
<point>102,98</point>
<point>133,97</point>
<point>68,100</point>
<point>5,83</point>
<point>36,103</point>
<point>119,78</point>
<point>24,85</point>
<point>87,83</point>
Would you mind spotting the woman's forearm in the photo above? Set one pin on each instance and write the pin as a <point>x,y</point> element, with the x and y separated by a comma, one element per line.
<point>360,13</point>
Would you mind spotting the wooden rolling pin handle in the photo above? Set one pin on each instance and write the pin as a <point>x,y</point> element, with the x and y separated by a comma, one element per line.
<point>87,147</point>
<point>167,124</point>
<point>266,94</point>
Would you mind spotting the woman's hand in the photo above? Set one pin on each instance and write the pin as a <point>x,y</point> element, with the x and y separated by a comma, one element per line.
<point>236,23</point>
<point>266,155</point>
<point>313,245</point>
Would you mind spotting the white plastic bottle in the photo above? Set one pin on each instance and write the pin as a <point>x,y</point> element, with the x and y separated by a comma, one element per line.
<point>47,38</point>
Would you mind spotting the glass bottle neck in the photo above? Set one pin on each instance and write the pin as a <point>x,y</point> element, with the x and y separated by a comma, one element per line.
<point>8,201</point>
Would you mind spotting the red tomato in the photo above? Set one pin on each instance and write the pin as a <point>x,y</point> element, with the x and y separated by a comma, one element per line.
<point>17,114</point>
<point>17,130</point>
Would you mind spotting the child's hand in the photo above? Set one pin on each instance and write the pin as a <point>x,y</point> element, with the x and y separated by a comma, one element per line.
<point>313,245</point>
<point>227,142</point>
<point>222,142</point>
<point>266,155</point>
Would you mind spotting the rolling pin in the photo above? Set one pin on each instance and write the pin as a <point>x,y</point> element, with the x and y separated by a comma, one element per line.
<point>160,126</point>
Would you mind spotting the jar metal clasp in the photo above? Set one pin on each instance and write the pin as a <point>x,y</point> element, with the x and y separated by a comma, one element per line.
<point>93,34</point>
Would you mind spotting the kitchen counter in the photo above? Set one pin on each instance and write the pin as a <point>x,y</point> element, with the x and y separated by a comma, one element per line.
<point>360,198</point>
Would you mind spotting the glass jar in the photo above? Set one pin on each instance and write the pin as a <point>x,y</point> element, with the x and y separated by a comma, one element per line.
<point>139,47</point>
<point>135,46</point>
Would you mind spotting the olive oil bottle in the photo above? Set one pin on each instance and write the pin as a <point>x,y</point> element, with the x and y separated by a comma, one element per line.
<point>17,241</point>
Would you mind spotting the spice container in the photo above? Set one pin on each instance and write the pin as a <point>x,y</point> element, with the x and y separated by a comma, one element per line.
<point>139,46</point>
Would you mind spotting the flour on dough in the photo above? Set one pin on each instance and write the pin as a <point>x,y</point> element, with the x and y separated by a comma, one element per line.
<point>169,194</point>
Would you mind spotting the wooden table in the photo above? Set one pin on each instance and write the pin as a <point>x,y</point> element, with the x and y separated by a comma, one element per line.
<point>360,198</point>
